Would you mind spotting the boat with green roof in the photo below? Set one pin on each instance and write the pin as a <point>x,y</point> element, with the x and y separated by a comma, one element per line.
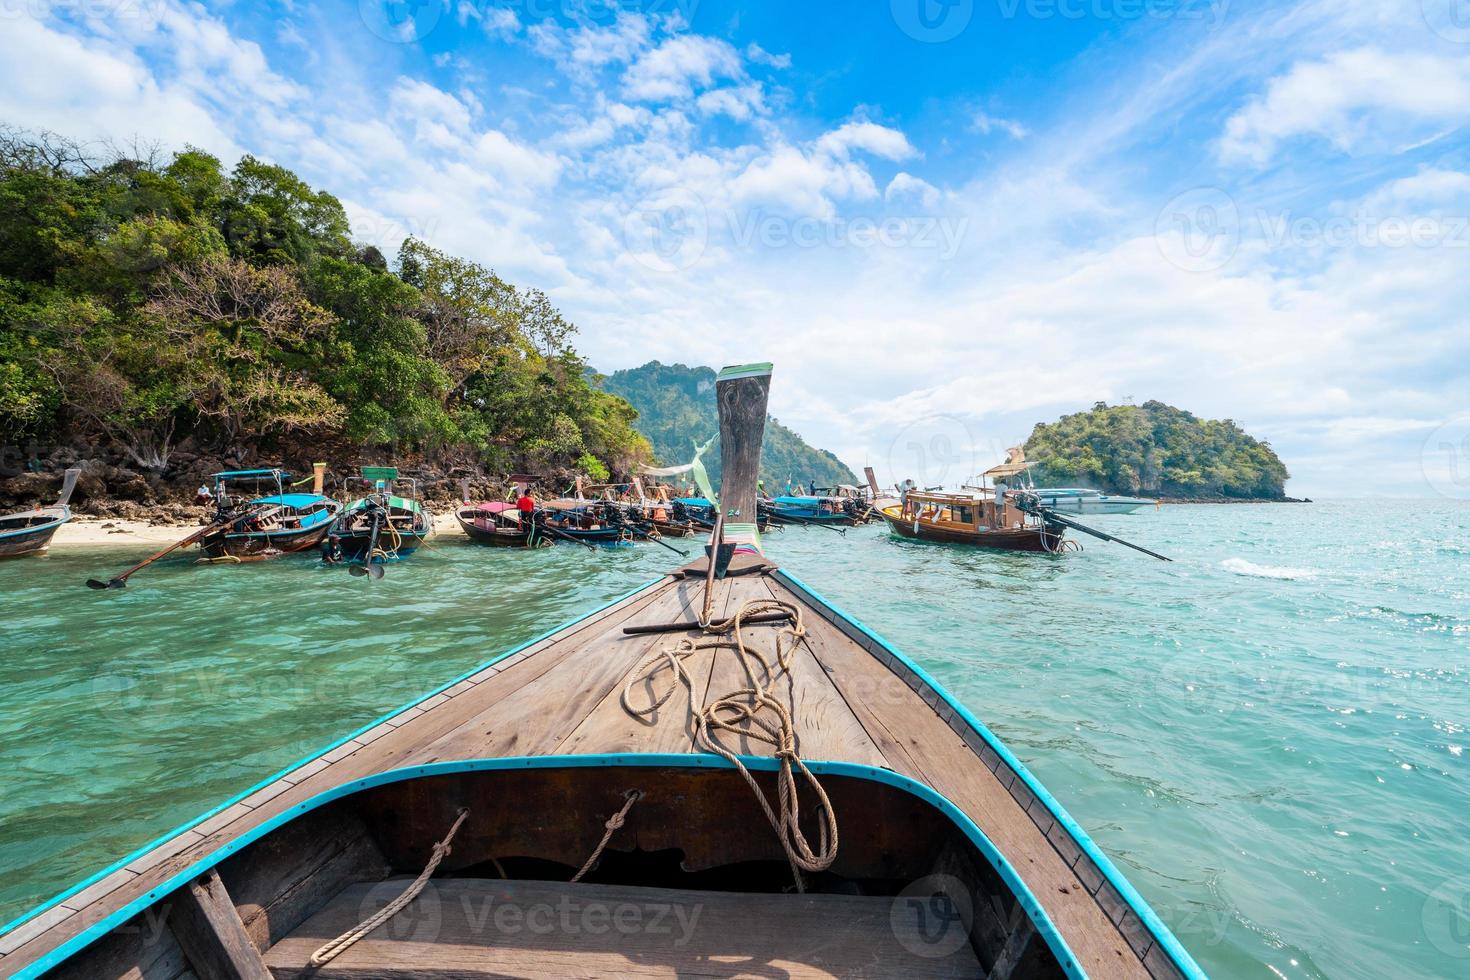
<point>382,526</point>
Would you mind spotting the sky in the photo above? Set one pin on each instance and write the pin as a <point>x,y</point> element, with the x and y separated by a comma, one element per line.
<point>943,220</point>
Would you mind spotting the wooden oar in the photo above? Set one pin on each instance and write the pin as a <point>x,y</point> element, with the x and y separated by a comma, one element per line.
<point>1050,515</point>
<point>556,533</point>
<point>121,581</point>
<point>657,540</point>
<point>810,523</point>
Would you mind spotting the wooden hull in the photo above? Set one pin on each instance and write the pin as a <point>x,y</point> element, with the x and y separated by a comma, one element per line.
<point>28,541</point>
<point>248,546</point>
<point>1010,539</point>
<point>353,546</point>
<point>494,537</point>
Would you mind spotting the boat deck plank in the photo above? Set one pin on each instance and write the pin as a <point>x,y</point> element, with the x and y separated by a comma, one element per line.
<point>491,928</point>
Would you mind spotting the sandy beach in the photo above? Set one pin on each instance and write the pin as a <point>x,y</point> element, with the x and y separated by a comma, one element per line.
<point>107,532</point>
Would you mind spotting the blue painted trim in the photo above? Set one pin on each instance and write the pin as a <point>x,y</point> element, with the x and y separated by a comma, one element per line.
<point>1044,926</point>
<point>87,883</point>
<point>1140,906</point>
<point>34,528</point>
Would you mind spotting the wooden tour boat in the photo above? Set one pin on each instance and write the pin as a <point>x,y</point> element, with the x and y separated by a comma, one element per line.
<point>499,525</point>
<point>381,526</point>
<point>717,774</point>
<point>29,532</point>
<point>981,518</point>
<point>250,528</point>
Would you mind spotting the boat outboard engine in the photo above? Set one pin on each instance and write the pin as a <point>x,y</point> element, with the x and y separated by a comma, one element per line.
<point>680,512</point>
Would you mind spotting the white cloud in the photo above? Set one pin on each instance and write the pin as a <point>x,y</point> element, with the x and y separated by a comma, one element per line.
<point>882,141</point>
<point>759,55</point>
<point>674,68</point>
<point>740,102</point>
<point>1364,96</point>
<point>905,186</point>
<point>985,124</point>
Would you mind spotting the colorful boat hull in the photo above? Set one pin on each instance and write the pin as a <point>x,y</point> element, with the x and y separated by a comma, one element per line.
<point>273,526</point>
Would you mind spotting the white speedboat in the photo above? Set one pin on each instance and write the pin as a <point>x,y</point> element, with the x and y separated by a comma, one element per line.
<point>1080,500</point>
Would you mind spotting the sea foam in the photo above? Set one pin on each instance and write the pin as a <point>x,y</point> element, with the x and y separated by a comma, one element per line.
<point>1242,567</point>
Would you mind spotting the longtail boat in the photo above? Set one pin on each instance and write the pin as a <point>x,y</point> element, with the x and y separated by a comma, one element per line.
<point>381,526</point>
<point>499,525</point>
<point>981,518</point>
<point>718,774</point>
<point>29,532</point>
<point>250,528</point>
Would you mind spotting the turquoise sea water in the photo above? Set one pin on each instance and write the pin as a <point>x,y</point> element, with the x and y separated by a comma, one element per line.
<point>1266,735</point>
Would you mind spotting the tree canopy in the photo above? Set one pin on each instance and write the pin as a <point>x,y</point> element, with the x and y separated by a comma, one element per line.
<point>143,299</point>
<point>1155,449</point>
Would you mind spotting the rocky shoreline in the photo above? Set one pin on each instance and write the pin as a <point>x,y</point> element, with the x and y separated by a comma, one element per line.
<point>111,488</point>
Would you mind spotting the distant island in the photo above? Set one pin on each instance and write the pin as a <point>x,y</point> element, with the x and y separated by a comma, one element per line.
<point>1155,450</point>
<point>676,407</point>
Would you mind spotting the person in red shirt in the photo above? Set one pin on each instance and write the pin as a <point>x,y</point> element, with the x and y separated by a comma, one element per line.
<point>525,505</point>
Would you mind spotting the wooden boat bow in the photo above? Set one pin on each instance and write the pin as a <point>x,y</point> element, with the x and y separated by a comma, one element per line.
<point>539,746</point>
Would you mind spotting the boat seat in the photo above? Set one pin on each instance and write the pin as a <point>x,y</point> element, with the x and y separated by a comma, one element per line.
<point>471,928</point>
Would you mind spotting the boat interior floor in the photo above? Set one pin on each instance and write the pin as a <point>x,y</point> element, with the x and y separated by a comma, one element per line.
<point>472,928</point>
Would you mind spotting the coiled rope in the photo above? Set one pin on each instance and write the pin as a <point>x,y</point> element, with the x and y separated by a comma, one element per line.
<point>333,949</point>
<point>741,712</point>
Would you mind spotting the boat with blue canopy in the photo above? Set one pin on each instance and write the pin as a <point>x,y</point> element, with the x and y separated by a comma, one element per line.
<point>248,526</point>
<point>718,774</point>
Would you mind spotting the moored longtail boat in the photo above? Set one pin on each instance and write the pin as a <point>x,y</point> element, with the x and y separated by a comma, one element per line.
<point>381,526</point>
<point>719,741</point>
<point>29,532</point>
<point>499,525</point>
<point>981,518</point>
<point>250,528</point>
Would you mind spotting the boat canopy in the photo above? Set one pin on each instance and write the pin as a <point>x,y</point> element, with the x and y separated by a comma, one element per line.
<point>296,500</point>
<point>232,474</point>
<point>694,501</point>
<point>495,506</point>
<point>1015,463</point>
<point>665,470</point>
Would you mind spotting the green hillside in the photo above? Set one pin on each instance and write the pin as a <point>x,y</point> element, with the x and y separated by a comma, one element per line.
<point>676,408</point>
<point>1155,449</point>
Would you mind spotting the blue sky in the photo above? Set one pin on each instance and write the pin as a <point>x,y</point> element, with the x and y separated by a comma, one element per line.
<point>944,220</point>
